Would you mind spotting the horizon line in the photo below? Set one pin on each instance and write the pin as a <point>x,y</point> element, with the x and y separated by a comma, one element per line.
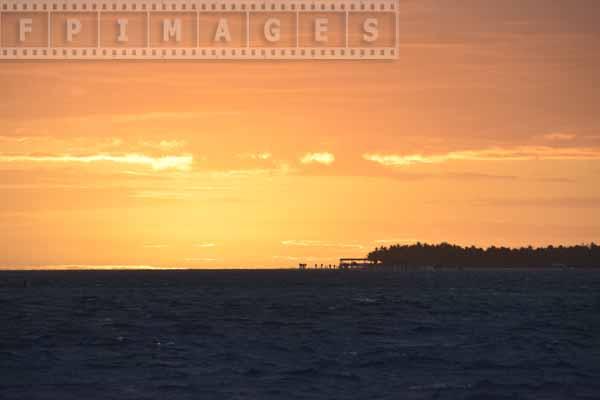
<point>115,267</point>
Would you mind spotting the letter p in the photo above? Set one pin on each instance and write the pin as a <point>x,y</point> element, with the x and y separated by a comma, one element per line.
<point>73,28</point>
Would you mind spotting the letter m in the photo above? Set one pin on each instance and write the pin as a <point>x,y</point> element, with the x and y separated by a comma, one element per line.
<point>171,28</point>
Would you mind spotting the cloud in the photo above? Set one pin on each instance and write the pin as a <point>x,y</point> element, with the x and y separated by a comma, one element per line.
<point>204,245</point>
<point>279,170</point>
<point>260,156</point>
<point>52,144</point>
<point>166,144</point>
<point>519,153</point>
<point>559,136</point>
<point>181,163</point>
<point>17,139</point>
<point>396,241</point>
<point>149,116</point>
<point>549,202</point>
<point>318,243</point>
<point>320,158</point>
<point>59,267</point>
<point>263,156</point>
<point>139,117</point>
<point>161,195</point>
<point>297,258</point>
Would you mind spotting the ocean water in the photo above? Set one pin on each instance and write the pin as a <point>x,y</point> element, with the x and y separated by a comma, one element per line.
<point>471,334</point>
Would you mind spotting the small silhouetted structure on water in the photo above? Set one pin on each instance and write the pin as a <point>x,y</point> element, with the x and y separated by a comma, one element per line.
<point>345,264</point>
<point>357,263</point>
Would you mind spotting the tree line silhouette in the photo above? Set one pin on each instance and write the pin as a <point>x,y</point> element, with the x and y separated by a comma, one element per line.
<point>448,255</point>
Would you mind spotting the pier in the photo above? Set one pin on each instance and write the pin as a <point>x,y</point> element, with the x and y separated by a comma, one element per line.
<point>345,264</point>
<point>357,263</point>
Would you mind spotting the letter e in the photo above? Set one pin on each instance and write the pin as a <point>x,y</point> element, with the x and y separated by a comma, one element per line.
<point>321,29</point>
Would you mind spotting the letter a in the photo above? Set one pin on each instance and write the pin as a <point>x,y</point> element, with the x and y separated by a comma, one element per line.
<point>222,33</point>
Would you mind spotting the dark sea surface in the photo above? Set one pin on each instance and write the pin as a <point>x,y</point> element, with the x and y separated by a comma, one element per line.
<point>471,334</point>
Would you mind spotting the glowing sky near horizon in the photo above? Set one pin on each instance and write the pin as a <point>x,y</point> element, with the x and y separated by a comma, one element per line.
<point>485,131</point>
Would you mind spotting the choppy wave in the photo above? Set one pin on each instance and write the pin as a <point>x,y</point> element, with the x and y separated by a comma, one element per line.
<point>299,335</point>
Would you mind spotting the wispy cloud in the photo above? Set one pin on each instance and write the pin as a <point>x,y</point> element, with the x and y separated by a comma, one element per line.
<point>521,153</point>
<point>262,156</point>
<point>204,245</point>
<point>161,195</point>
<point>548,202</point>
<point>165,144</point>
<point>148,116</point>
<point>318,243</point>
<point>52,144</point>
<point>559,136</point>
<point>279,170</point>
<point>297,258</point>
<point>83,267</point>
<point>396,241</point>
<point>136,117</point>
<point>319,158</point>
<point>181,163</point>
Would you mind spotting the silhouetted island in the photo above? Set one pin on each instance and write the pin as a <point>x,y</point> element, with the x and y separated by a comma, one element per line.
<point>448,255</point>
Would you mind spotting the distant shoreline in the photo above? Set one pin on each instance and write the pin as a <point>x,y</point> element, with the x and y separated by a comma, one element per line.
<point>380,269</point>
<point>447,255</point>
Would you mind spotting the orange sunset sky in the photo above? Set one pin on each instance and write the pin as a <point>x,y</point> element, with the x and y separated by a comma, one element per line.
<point>486,130</point>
